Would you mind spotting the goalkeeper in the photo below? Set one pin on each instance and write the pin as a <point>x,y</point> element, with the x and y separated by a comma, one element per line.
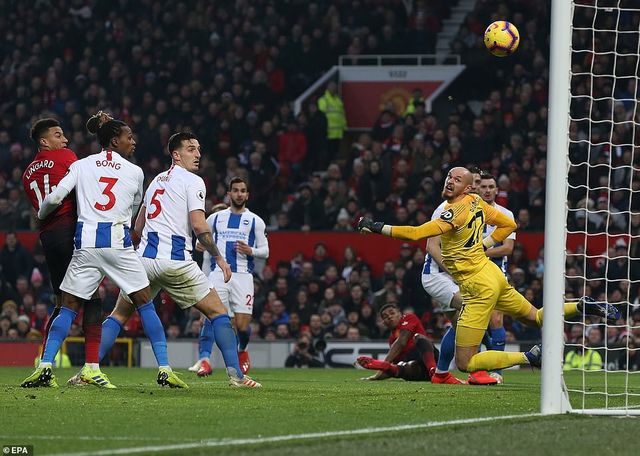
<point>483,286</point>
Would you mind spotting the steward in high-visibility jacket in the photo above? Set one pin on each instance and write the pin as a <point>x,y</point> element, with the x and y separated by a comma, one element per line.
<point>590,360</point>
<point>331,105</point>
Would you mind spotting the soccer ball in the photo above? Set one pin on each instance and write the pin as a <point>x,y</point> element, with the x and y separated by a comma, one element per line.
<point>501,38</point>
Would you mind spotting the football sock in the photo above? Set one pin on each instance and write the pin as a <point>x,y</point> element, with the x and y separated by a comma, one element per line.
<point>93,366</point>
<point>57,332</point>
<point>570,309</point>
<point>491,360</point>
<point>155,332</point>
<point>92,326</point>
<point>47,327</point>
<point>205,343</point>
<point>110,330</point>
<point>425,347</point>
<point>447,350</point>
<point>384,366</point>
<point>486,340</point>
<point>498,340</point>
<point>227,343</point>
<point>243,338</point>
<point>92,342</point>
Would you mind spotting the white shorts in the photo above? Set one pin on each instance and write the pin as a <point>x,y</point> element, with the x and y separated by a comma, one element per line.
<point>237,294</point>
<point>183,280</point>
<point>89,266</point>
<point>441,287</point>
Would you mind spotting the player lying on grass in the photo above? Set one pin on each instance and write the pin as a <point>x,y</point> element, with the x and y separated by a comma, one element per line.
<point>483,286</point>
<point>411,356</point>
<point>172,209</point>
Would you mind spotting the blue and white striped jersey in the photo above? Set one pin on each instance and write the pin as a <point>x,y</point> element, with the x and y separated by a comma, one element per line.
<point>171,196</point>
<point>227,228</point>
<point>502,263</point>
<point>430,266</point>
<point>107,187</point>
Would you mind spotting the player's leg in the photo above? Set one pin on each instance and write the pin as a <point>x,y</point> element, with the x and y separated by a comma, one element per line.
<point>498,338</point>
<point>427,351</point>
<point>207,336</point>
<point>80,282</point>
<point>92,326</point>
<point>225,338</point>
<point>412,371</point>
<point>241,301</point>
<point>480,294</point>
<point>444,290</point>
<point>514,304</point>
<point>131,274</point>
<point>57,246</point>
<point>585,306</point>
<point>113,324</point>
<point>205,345</point>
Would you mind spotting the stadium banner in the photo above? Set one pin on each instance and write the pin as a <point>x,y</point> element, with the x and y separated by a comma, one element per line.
<point>368,90</point>
<point>184,353</point>
<point>21,354</point>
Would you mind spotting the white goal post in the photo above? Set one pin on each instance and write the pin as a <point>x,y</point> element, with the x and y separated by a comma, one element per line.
<point>591,118</point>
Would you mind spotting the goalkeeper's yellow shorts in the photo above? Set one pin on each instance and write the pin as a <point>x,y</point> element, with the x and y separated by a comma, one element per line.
<point>481,294</point>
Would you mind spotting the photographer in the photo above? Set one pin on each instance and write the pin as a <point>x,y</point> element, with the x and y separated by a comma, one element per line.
<point>306,354</point>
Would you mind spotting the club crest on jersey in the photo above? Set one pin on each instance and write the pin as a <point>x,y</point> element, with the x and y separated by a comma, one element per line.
<point>245,222</point>
<point>200,195</point>
<point>447,215</point>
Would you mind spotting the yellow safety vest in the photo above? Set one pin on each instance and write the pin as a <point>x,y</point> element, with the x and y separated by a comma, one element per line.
<point>591,360</point>
<point>333,108</point>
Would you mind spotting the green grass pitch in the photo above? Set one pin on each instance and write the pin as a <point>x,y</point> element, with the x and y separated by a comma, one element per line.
<point>211,418</point>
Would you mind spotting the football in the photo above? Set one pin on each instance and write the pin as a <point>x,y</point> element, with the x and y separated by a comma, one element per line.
<point>501,38</point>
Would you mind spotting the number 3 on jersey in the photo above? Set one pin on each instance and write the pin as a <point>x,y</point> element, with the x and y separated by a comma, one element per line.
<point>110,181</point>
<point>156,203</point>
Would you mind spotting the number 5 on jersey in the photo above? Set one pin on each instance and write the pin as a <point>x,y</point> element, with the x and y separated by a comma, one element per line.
<point>110,181</point>
<point>156,204</point>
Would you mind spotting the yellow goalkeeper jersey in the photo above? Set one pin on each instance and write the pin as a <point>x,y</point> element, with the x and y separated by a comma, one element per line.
<point>462,249</point>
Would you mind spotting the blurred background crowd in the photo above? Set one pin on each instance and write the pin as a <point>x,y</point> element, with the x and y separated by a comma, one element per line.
<point>229,71</point>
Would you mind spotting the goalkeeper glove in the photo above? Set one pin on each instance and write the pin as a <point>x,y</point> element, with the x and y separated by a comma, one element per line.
<point>366,225</point>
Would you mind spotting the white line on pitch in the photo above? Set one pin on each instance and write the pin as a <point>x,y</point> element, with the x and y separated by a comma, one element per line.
<point>290,437</point>
<point>83,437</point>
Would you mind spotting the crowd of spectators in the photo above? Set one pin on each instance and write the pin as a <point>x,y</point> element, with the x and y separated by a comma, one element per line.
<point>229,70</point>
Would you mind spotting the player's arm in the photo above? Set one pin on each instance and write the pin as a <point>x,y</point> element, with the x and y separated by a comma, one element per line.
<point>62,190</point>
<point>399,345</point>
<point>138,226</point>
<point>503,250</point>
<point>206,256</point>
<point>261,247</point>
<point>408,233</point>
<point>203,233</point>
<point>504,225</point>
<point>379,375</point>
<point>434,248</point>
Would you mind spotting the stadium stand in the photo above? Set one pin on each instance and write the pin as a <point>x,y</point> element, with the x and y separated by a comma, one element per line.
<point>229,72</point>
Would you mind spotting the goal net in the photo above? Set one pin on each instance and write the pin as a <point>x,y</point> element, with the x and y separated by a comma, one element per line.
<point>601,359</point>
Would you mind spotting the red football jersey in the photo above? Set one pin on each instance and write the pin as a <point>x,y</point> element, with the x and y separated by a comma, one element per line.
<point>408,322</point>
<point>41,176</point>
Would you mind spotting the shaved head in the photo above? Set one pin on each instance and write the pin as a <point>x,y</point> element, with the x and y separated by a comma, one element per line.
<point>458,182</point>
<point>464,173</point>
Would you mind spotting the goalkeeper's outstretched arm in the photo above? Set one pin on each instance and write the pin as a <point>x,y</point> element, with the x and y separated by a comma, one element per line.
<point>409,233</point>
